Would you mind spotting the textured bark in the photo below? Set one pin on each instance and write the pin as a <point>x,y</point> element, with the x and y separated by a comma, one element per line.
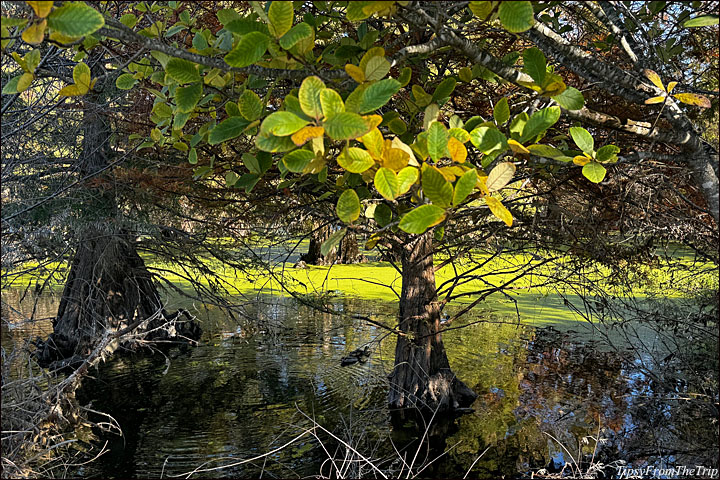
<point>347,252</point>
<point>108,286</point>
<point>422,377</point>
<point>314,256</point>
<point>108,289</point>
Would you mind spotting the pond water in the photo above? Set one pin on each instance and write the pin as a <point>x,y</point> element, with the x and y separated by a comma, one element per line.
<point>547,392</point>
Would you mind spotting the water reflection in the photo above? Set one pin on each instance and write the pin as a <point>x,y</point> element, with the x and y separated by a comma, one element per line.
<point>545,395</point>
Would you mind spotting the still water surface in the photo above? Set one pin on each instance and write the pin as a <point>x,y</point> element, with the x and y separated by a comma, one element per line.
<point>546,392</point>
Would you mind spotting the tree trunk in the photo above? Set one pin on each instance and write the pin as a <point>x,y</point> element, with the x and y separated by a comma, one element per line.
<point>314,256</point>
<point>347,252</point>
<point>422,377</point>
<point>108,286</point>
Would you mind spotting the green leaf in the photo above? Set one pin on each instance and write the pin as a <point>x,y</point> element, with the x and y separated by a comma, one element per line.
<point>405,76</point>
<point>250,105</point>
<point>281,17</point>
<point>376,68</point>
<point>126,81</point>
<point>378,94</point>
<point>331,102</point>
<point>386,183</point>
<point>182,71</point>
<point>192,156</point>
<point>332,241</point>
<point>594,172</point>
<point>516,17</point>
<point>582,139</point>
<point>437,141</point>
<point>227,129</point>
<point>383,214</point>
<point>355,160</point>
<point>355,10</point>
<point>309,96</point>
<point>282,124</point>
<point>421,218</point>
<point>517,125</point>
<point>243,26</point>
<point>299,32</point>
<point>547,151</point>
<point>500,176</point>
<point>227,15</point>
<point>488,140</point>
<point>702,21</point>
<point>11,85</point>
<point>348,206</point>
<point>397,126</point>
<point>271,143</point>
<point>8,22</point>
<point>422,98</point>
<point>539,122</point>
<point>435,187</point>
<point>570,99</point>
<point>231,178</point>
<point>75,19</point>
<point>444,90</point>
<point>251,163</point>
<point>187,97</point>
<point>481,9</point>
<point>297,160</point>
<point>608,153</point>
<point>249,50</point>
<point>501,112</point>
<point>464,186</point>
<point>535,64</point>
<point>345,126</point>
<point>406,179</point>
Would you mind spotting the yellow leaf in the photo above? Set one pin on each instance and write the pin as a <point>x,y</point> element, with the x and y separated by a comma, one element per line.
<point>25,81</point>
<point>500,176</point>
<point>517,147</point>
<point>581,160</point>
<point>482,184</point>
<point>465,74</point>
<point>372,120</point>
<point>397,143</point>
<point>355,73</point>
<point>81,76</point>
<point>654,78</point>
<point>693,99</point>
<point>374,239</point>
<point>449,173</point>
<point>373,52</point>
<point>499,210</point>
<point>652,100</point>
<point>318,146</point>
<point>671,86</point>
<point>34,33</point>
<point>555,86</point>
<point>458,152</point>
<point>306,133</point>
<point>21,61</point>
<point>375,7</point>
<point>395,159</point>
<point>71,91</point>
<point>374,142</point>
<point>60,38</point>
<point>530,85</point>
<point>41,8</point>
